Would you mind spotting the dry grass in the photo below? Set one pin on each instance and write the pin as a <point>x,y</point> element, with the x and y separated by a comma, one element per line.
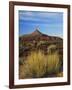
<point>60,74</point>
<point>53,63</point>
<point>39,65</point>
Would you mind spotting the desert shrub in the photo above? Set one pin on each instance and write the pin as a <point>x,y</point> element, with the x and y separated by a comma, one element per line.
<point>40,65</point>
<point>40,43</point>
<point>35,65</point>
<point>60,74</point>
<point>21,61</point>
<point>51,49</point>
<point>53,63</point>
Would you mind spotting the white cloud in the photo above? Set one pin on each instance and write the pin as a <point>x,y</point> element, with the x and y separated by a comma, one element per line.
<point>40,16</point>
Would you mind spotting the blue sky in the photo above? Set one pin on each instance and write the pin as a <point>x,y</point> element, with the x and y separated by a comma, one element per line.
<point>50,23</point>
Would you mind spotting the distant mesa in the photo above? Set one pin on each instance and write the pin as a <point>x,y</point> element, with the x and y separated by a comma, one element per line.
<point>38,36</point>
